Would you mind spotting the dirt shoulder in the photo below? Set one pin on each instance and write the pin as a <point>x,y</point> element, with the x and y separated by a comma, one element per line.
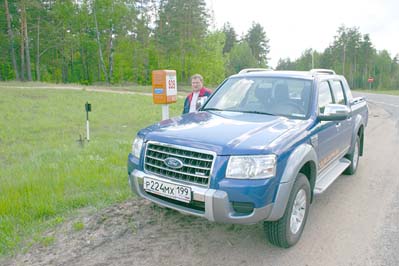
<point>135,232</point>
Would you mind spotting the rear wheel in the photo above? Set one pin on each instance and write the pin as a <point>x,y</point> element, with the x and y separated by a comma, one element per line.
<point>354,158</point>
<point>287,231</point>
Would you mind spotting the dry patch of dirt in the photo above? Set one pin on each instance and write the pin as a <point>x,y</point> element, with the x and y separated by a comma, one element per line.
<point>135,232</point>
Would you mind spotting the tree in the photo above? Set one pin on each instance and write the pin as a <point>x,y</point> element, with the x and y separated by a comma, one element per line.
<point>25,39</point>
<point>304,62</point>
<point>259,43</point>
<point>383,70</point>
<point>240,57</point>
<point>327,58</point>
<point>209,60</point>
<point>353,55</point>
<point>345,49</point>
<point>230,37</point>
<point>100,49</point>
<point>143,44</point>
<point>180,29</point>
<point>367,53</point>
<point>395,72</point>
<point>308,60</point>
<point>11,39</point>
<point>87,41</point>
<point>285,64</point>
<point>354,38</point>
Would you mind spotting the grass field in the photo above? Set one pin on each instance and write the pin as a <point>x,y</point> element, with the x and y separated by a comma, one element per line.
<point>388,92</point>
<point>45,173</point>
<point>182,89</point>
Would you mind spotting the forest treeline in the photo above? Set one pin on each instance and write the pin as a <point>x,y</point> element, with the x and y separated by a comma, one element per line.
<point>118,41</point>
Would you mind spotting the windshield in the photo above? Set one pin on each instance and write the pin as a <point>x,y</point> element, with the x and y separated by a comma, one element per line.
<point>263,95</point>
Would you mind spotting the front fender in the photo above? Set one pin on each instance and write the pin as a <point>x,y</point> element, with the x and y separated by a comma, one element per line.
<point>299,157</point>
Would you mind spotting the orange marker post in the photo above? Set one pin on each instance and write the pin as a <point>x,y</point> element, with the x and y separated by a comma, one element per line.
<point>164,89</point>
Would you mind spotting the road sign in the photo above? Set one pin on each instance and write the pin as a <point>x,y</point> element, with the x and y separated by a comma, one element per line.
<point>370,80</point>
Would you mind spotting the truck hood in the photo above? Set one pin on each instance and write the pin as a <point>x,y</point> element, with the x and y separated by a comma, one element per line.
<point>226,133</point>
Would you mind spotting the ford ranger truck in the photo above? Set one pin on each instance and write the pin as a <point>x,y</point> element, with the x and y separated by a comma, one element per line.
<point>258,150</point>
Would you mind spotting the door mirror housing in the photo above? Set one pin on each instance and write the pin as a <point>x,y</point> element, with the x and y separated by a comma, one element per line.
<point>201,101</point>
<point>335,112</point>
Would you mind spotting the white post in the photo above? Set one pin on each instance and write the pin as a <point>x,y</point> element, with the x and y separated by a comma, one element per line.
<point>165,111</point>
<point>87,130</point>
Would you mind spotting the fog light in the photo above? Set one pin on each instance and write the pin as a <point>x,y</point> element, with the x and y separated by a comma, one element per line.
<point>243,207</point>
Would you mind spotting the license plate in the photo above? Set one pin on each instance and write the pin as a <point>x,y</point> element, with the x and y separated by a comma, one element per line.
<point>169,190</point>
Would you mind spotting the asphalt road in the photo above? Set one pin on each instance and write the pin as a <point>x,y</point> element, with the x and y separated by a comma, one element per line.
<point>389,103</point>
<point>388,241</point>
<point>355,222</point>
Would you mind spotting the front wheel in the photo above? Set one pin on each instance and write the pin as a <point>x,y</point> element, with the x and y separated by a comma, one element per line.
<point>287,231</point>
<point>353,158</point>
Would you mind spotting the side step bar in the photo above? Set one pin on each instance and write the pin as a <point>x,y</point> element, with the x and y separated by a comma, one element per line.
<point>329,175</point>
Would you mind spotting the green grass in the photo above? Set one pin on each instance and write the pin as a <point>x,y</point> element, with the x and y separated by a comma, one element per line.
<point>45,173</point>
<point>182,89</point>
<point>78,226</point>
<point>389,92</point>
<point>46,240</point>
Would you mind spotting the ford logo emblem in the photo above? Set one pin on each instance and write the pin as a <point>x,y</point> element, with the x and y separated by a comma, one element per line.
<point>173,163</point>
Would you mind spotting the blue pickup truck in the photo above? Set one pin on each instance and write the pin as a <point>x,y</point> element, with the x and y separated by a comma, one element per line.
<point>258,150</point>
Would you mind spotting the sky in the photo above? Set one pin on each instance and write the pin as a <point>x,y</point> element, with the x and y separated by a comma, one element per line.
<point>296,25</point>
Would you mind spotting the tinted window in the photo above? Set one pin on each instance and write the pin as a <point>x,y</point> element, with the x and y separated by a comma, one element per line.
<point>338,92</point>
<point>324,96</point>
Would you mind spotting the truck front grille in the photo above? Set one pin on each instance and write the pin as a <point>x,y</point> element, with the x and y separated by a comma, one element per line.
<point>195,168</point>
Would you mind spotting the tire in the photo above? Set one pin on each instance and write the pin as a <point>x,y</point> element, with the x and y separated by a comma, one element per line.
<point>287,231</point>
<point>353,157</point>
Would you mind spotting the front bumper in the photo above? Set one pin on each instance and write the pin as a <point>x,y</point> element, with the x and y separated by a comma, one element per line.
<point>217,206</point>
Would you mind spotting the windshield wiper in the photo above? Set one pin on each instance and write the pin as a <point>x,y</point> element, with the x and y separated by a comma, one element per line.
<point>257,112</point>
<point>212,109</point>
<point>238,111</point>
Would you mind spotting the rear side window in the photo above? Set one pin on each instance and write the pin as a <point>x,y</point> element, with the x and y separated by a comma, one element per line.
<point>324,96</point>
<point>338,92</point>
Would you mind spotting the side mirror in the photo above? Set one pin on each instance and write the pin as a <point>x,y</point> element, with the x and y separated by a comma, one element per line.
<point>335,112</point>
<point>201,101</point>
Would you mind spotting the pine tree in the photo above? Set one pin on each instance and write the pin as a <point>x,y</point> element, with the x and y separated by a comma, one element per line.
<point>231,37</point>
<point>259,43</point>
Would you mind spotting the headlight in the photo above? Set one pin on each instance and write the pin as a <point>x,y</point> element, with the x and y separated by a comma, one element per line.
<point>136,147</point>
<point>251,167</point>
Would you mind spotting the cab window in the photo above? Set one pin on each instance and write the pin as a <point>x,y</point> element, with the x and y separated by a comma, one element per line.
<point>324,96</point>
<point>338,92</point>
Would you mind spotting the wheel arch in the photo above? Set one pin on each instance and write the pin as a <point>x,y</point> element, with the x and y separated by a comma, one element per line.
<point>360,133</point>
<point>302,160</point>
<point>309,169</point>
